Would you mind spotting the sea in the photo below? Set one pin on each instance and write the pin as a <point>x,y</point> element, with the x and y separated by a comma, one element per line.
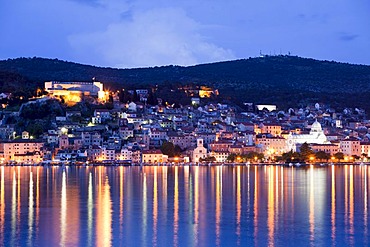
<point>246,205</point>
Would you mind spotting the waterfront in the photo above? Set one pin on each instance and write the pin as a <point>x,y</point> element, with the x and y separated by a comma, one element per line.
<point>184,206</point>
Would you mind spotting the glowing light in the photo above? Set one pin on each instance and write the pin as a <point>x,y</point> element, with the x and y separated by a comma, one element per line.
<point>64,130</point>
<point>351,205</point>
<point>333,202</point>
<point>2,204</point>
<point>104,215</point>
<point>218,203</point>
<point>196,204</point>
<point>155,207</point>
<point>312,206</point>
<point>271,207</point>
<point>63,211</point>
<point>90,205</point>
<point>176,209</point>
<point>30,209</point>
<point>238,204</point>
<point>14,208</point>
<point>365,202</point>
<point>144,208</point>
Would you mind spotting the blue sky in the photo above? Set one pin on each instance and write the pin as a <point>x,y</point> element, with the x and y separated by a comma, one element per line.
<point>140,33</point>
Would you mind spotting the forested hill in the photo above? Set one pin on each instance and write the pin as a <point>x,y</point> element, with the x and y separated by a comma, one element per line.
<point>282,80</point>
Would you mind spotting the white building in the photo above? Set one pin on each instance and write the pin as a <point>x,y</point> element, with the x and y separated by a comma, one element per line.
<point>199,152</point>
<point>63,88</point>
<point>316,136</point>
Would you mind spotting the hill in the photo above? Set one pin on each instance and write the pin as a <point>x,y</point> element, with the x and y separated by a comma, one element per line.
<point>283,80</point>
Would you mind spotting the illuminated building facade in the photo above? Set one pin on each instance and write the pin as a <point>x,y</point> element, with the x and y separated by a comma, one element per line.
<point>74,90</point>
<point>199,152</point>
<point>22,151</point>
<point>152,156</point>
<point>271,145</point>
<point>315,136</point>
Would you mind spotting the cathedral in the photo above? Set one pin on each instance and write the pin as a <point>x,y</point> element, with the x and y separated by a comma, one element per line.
<point>316,136</point>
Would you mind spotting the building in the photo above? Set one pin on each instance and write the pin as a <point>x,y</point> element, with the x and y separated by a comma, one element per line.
<point>350,146</point>
<point>100,116</point>
<point>152,156</point>
<point>199,152</point>
<point>273,129</point>
<point>91,138</point>
<point>220,156</point>
<point>108,154</point>
<point>73,91</point>
<point>267,107</point>
<point>94,153</point>
<point>221,145</point>
<point>63,142</point>
<point>271,145</point>
<point>86,88</point>
<point>22,151</point>
<point>316,136</point>
<point>182,140</point>
<point>327,148</point>
<point>365,149</point>
<point>126,132</point>
<point>7,132</point>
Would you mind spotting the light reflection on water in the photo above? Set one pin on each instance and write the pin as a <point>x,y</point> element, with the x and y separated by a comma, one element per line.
<point>184,206</point>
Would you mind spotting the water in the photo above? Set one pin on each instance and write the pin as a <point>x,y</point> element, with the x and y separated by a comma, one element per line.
<point>184,206</point>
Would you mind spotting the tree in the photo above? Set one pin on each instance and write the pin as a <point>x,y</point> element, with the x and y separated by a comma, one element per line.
<point>208,159</point>
<point>305,151</point>
<point>355,157</point>
<point>339,156</point>
<point>35,129</point>
<point>364,156</point>
<point>169,149</point>
<point>290,156</point>
<point>253,156</point>
<point>152,100</point>
<point>231,157</point>
<point>321,155</point>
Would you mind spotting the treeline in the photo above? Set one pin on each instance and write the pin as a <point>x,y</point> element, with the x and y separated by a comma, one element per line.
<point>269,79</point>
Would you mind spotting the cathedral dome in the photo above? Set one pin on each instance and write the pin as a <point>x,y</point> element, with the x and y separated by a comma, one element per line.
<point>316,127</point>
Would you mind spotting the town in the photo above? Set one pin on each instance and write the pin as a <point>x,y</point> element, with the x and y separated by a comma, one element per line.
<point>137,129</point>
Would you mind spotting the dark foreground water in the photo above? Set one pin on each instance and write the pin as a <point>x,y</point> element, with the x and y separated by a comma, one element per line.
<point>184,206</point>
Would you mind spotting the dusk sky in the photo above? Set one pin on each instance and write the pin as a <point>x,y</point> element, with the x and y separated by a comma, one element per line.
<point>138,33</point>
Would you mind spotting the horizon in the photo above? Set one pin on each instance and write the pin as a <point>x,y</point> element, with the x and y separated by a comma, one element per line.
<point>186,66</point>
<point>141,33</point>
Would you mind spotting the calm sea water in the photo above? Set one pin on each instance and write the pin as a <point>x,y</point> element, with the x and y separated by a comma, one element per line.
<point>184,206</point>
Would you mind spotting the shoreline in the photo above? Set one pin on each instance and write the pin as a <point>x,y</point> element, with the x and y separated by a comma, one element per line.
<point>116,164</point>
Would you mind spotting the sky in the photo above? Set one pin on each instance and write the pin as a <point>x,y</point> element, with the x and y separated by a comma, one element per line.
<point>142,33</point>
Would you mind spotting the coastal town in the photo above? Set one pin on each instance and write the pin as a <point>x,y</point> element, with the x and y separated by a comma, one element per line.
<point>205,131</point>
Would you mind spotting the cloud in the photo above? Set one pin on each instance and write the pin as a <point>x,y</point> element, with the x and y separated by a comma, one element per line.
<point>130,33</point>
<point>148,38</point>
<point>347,36</point>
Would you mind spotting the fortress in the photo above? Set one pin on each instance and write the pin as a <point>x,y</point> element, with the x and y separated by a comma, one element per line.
<point>74,90</point>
